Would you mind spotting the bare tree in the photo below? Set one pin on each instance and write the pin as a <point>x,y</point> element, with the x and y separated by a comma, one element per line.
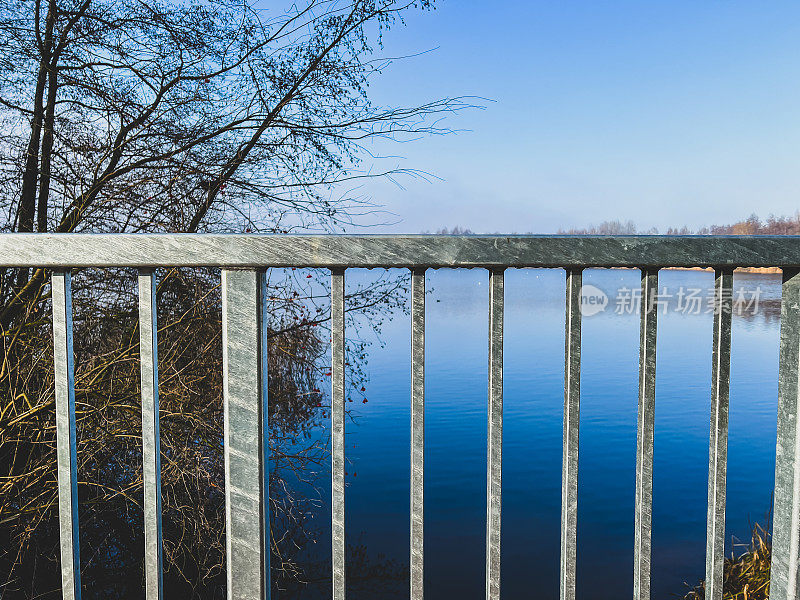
<point>183,116</point>
<point>606,228</point>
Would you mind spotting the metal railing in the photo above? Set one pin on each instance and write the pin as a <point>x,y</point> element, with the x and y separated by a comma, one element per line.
<point>243,259</point>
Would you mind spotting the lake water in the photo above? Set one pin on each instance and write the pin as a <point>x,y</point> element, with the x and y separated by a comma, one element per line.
<point>455,478</point>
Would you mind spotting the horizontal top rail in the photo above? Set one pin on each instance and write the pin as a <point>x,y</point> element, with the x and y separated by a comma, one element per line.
<point>254,250</point>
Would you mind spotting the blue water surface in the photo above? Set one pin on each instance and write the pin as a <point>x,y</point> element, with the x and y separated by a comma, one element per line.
<point>455,476</point>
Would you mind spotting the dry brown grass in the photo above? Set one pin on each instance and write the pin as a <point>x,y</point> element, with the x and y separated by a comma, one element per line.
<point>747,573</point>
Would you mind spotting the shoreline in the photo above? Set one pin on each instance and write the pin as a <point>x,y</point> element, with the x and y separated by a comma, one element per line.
<point>761,270</point>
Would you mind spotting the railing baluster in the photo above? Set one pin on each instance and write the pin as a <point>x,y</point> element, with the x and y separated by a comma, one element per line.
<point>569,460</point>
<point>494,435</point>
<point>246,486</point>
<point>644,435</point>
<point>151,440</point>
<point>785,569</point>
<point>337,433</point>
<point>263,356</point>
<point>718,439</point>
<point>417,431</point>
<point>66,436</point>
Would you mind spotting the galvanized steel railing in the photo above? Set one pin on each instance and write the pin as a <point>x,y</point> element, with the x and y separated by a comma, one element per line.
<point>243,259</point>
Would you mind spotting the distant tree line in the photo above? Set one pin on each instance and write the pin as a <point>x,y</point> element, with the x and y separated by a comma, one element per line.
<point>752,225</point>
<point>457,230</point>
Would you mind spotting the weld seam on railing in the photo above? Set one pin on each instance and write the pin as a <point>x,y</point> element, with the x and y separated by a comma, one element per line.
<point>644,435</point>
<point>66,436</point>
<point>569,460</point>
<point>785,567</point>
<point>494,435</point>
<point>151,440</point>
<point>417,431</point>
<point>718,433</point>
<point>337,433</point>
<point>246,488</point>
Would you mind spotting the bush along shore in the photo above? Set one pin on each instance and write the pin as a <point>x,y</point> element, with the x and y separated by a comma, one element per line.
<point>746,574</point>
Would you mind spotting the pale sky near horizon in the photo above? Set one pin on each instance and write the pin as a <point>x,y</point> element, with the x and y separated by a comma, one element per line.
<point>664,113</point>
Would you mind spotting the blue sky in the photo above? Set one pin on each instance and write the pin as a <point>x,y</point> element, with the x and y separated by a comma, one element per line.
<point>665,113</point>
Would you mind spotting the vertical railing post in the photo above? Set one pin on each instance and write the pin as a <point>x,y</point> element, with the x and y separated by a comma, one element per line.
<point>151,439</point>
<point>718,437</point>
<point>569,459</point>
<point>66,436</point>
<point>644,435</point>
<point>785,569</point>
<point>263,357</point>
<point>246,477</point>
<point>494,454</point>
<point>417,430</point>
<point>337,434</point>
